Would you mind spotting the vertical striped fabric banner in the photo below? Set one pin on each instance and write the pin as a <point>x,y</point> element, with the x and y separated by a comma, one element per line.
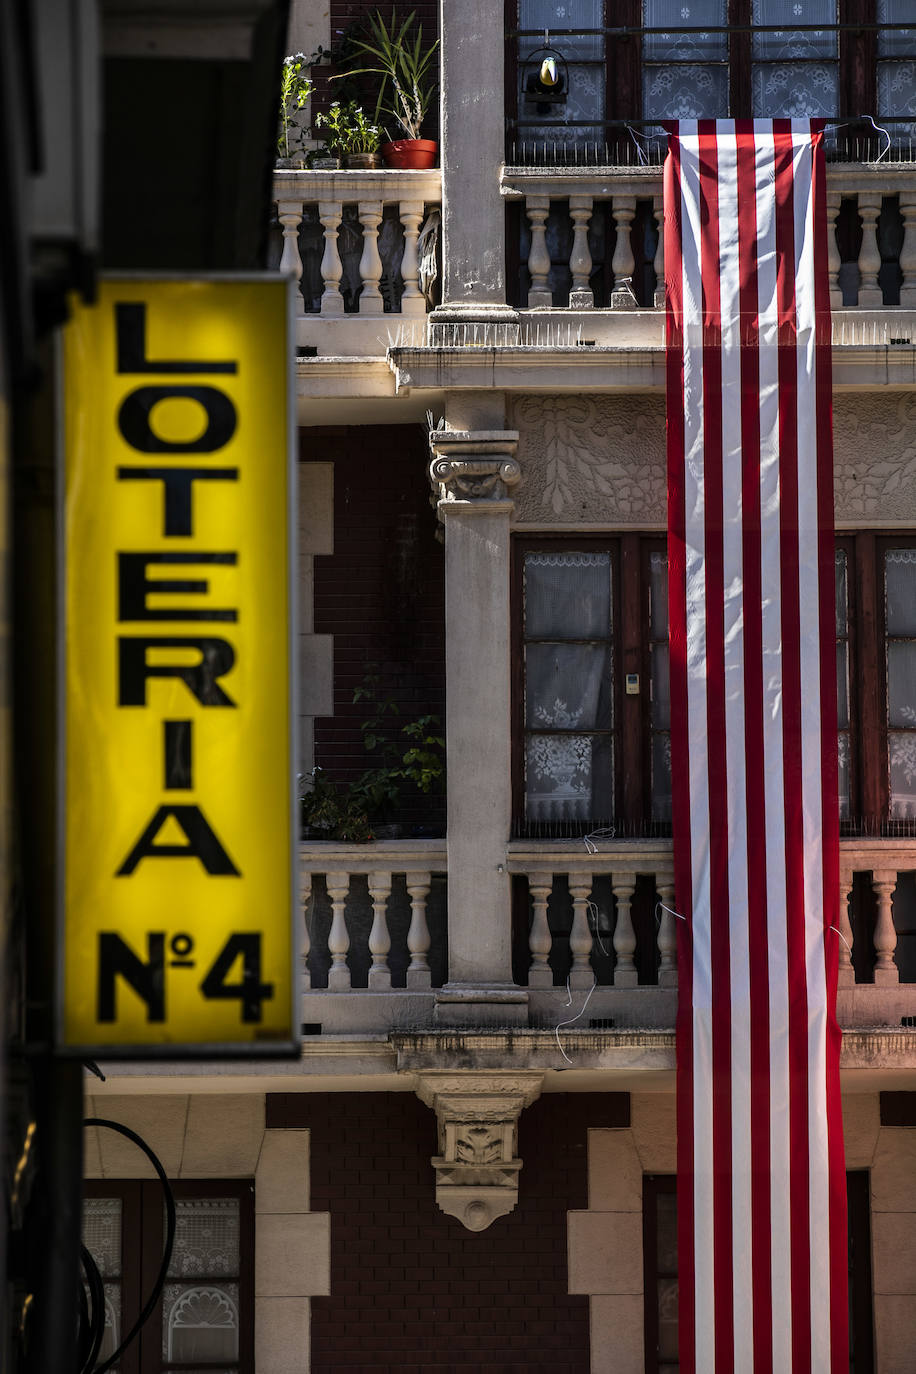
<point>761,1180</point>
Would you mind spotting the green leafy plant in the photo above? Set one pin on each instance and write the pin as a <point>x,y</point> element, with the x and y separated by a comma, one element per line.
<point>348,130</point>
<point>334,811</point>
<point>296,90</point>
<point>414,754</point>
<point>407,66</point>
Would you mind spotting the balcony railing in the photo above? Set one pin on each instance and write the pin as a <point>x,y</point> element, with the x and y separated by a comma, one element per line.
<point>589,237</point>
<point>355,241</point>
<point>603,921</point>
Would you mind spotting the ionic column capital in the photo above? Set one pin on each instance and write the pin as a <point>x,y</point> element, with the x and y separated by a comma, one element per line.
<point>474,468</point>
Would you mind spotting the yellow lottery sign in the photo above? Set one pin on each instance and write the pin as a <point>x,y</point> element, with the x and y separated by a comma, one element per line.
<point>177,889</point>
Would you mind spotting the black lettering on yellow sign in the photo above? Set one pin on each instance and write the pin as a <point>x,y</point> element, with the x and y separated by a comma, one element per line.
<point>118,960</point>
<point>134,587</point>
<point>202,843</point>
<point>130,330</point>
<point>135,419</point>
<point>147,979</point>
<point>217,657</point>
<point>177,750</point>
<point>177,490</point>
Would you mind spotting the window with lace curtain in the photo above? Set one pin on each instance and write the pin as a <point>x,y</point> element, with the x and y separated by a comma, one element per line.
<point>593,744</point>
<point>648,60</point>
<point>204,1318</point>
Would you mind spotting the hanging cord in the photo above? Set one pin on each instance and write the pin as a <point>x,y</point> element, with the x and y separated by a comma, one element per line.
<point>860,119</point>
<point>660,906</point>
<point>158,1286</point>
<point>93,1326</point>
<point>601,832</point>
<point>843,938</point>
<point>570,1021</point>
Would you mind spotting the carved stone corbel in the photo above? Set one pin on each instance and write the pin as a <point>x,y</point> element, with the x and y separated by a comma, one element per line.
<point>473,466</point>
<point>477,1170</point>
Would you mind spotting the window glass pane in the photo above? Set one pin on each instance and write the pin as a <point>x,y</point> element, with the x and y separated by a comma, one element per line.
<point>681,91</point>
<point>902,751</point>
<point>200,1322</point>
<point>896,42</point>
<point>585,71</point>
<point>568,687</point>
<point>567,595</point>
<point>206,1238</point>
<point>900,584</point>
<point>791,43</point>
<point>658,595</point>
<point>684,47</point>
<point>843,775</point>
<point>842,612</point>
<point>660,707</point>
<point>102,1233</point>
<point>901,684</point>
<point>794,90</point>
<point>568,777</point>
<point>842,689</point>
<point>661,776</point>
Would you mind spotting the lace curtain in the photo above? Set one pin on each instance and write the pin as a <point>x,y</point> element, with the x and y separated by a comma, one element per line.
<point>686,84</point>
<point>568,684</point>
<point>200,1318</point>
<point>584,55</point>
<point>795,74</point>
<point>897,68</point>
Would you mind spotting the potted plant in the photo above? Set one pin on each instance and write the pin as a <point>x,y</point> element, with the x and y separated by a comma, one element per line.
<point>295,91</point>
<point>335,122</point>
<point>363,141</point>
<point>409,73</point>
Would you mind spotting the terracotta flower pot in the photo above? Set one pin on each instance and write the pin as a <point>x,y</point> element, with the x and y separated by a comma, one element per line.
<point>417,153</point>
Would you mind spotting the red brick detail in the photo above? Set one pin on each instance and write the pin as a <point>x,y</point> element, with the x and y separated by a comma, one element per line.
<point>411,1289</point>
<point>381,594</point>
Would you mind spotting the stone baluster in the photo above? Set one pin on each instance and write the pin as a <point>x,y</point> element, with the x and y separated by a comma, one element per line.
<point>834,202</point>
<point>418,973</point>
<point>658,262</point>
<point>306,935</point>
<point>332,303</point>
<point>886,971</point>
<point>338,937</point>
<point>379,938</point>
<point>581,974</point>
<point>870,293</point>
<point>667,934</point>
<point>537,209</point>
<point>412,300</point>
<point>581,296</point>
<point>625,975</point>
<point>289,213</point>
<point>370,264</point>
<point>908,249</point>
<point>540,974</point>
<point>623,262</point>
<point>847,974</point>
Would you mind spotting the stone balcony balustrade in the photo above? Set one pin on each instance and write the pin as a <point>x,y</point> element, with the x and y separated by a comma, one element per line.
<point>871,207</point>
<point>600,947</point>
<point>350,238</point>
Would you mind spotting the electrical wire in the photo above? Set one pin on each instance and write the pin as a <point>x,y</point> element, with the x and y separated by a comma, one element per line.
<point>91,1343</point>
<point>158,1286</point>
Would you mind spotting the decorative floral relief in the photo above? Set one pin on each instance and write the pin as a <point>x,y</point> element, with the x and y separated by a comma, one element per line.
<point>598,458</point>
<point>875,457</point>
<point>602,459</point>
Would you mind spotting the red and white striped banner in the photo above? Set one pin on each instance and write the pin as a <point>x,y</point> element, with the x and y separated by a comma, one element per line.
<point>761,1181</point>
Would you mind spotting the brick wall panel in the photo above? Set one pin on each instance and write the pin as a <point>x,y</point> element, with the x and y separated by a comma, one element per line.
<point>449,1300</point>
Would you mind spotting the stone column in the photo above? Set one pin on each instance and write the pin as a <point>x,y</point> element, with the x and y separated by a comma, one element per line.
<point>473,250</point>
<point>473,473</point>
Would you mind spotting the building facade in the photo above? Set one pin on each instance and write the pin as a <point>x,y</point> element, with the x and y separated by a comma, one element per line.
<point>471,1166</point>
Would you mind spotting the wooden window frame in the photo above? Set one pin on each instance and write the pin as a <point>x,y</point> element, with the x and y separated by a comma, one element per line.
<point>630,551</point>
<point>857,59</point>
<point>142,1238</point>
<point>859,1233</point>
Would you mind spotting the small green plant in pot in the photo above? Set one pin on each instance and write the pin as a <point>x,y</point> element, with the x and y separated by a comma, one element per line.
<point>408,67</point>
<point>328,811</point>
<point>296,89</point>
